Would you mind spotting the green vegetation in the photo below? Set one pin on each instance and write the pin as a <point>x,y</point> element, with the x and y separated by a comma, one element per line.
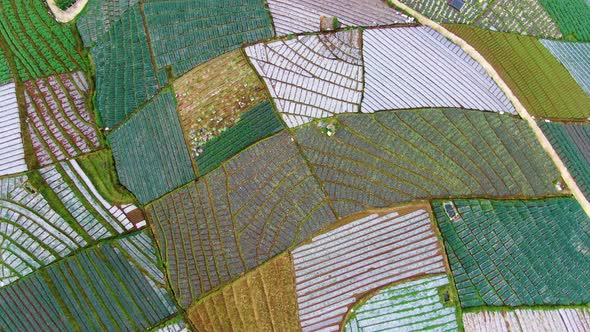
<point>100,168</point>
<point>64,4</point>
<point>536,77</point>
<point>5,74</point>
<point>255,124</point>
<point>514,253</point>
<point>98,16</point>
<point>38,44</point>
<point>572,17</point>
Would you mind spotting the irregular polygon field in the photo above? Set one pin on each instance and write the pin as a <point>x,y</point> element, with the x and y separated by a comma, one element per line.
<point>417,305</point>
<point>392,157</point>
<point>150,152</point>
<point>258,204</point>
<point>106,287</point>
<point>416,67</point>
<point>38,45</point>
<point>12,153</point>
<point>539,81</point>
<point>572,143</point>
<point>262,300</point>
<point>304,15</point>
<point>440,11</point>
<point>59,124</point>
<point>212,97</point>
<point>513,253</point>
<point>522,320</point>
<point>572,17</point>
<point>185,33</point>
<point>312,76</point>
<point>174,325</point>
<point>575,57</point>
<point>98,17</point>
<point>125,75</point>
<point>366,254</point>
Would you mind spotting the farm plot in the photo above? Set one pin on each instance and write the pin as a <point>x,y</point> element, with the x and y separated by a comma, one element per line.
<point>258,204</point>
<point>312,76</point>
<point>98,17</point>
<point>305,15</point>
<point>416,67</point>
<point>5,73</point>
<point>60,125</point>
<point>575,57</point>
<point>38,44</point>
<point>176,324</point>
<point>97,289</point>
<point>541,83</point>
<point>526,17</point>
<point>572,17</point>
<point>420,305</point>
<point>150,152</point>
<point>125,75</point>
<point>391,157</point>
<point>572,143</point>
<point>253,125</point>
<point>12,153</point>
<point>522,320</point>
<point>440,11</point>
<point>262,300</point>
<point>185,33</point>
<point>369,252</point>
<point>212,96</point>
<point>513,253</point>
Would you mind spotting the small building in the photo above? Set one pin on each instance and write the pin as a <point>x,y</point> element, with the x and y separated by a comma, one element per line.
<point>456,4</point>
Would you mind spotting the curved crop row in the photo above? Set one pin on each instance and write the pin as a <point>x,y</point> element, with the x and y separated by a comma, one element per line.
<point>572,17</point>
<point>98,16</point>
<point>12,153</point>
<point>391,157</point>
<point>515,253</point>
<point>255,206</point>
<point>575,57</point>
<point>59,123</point>
<point>522,320</point>
<point>5,72</point>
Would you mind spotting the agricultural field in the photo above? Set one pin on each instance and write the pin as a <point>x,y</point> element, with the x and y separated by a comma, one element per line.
<point>312,76</point>
<point>368,252</point>
<point>99,16</point>
<point>572,17</point>
<point>572,143</point>
<point>186,33</point>
<point>115,285</point>
<point>255,206</point>
<point>307,15</point>
<point>567,320</point>
<point>541,83</point>
<point>261,300</point>
<point>125,74</point>
<point>393,157</point>
<point>439,10</point>
<point>150,152</point>
<point>575,57</point>
<point>5,72</point>
<point>416,305</point>
<point>37,44</point>
<point>12,152</point>
<point>59,122</point>
<point>514,253</point>
<point>176,324</point>
<point>213,96</point>
<point>416,67</point>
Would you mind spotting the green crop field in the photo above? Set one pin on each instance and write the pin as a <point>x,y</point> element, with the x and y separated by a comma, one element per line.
<point>98,17</point>
<point>5,74</point>
<point>572,17</point>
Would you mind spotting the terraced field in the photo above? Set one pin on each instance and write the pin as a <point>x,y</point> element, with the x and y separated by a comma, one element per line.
<point>112,286</point>
<point>12,153</point>
<point>5,73</point>
<point>262,300</point>
<point>255,206</point>
<point>575,57</point>
<point>572,17</point>
<point>567,320</point>
<point>125,74</point>
<point>420,305</point>
<point>185,33</point>
<point>392,157</point>
<point>99,16</point>
<point>150,152</point>
<point>37,44</point>
<point>59,123</point>
<point>312,76</point>
<point>416,67</point>
<point>367,253</point>
<point>540,82</point>
<point>514,253</point>
<point>305,15</point>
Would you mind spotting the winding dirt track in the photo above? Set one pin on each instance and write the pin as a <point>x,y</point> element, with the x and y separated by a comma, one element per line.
<point>565,174</point>
<point>64,16</point>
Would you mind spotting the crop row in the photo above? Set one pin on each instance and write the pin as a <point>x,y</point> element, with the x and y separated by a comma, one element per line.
<point>95,289</point>
<point>522,320</point>
<point>12,154</point>
<point>235,218</point>
<point>575,57</point>
<point>513,253</point>
<point>99,16</point>
<point>59,123</point>
<point>572,17</point>
<point>5,73</point>
<point>391,157</point>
